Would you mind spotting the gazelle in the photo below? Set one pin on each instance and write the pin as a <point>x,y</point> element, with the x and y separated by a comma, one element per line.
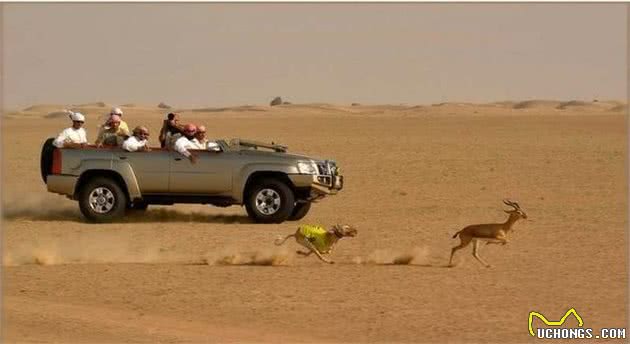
<point>491,233</point>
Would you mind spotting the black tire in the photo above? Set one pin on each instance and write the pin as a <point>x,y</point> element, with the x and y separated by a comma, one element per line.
<point>112,209</point>
<point>269,188</point>
<point>300,210</point>
<point>137,206</point>
<point>46,159</point>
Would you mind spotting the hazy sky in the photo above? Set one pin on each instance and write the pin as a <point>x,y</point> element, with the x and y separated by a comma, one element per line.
<point>196,54</point>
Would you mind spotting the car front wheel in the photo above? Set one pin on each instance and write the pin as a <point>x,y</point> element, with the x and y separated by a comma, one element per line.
<point>300,210</point>
<point>270,201</point>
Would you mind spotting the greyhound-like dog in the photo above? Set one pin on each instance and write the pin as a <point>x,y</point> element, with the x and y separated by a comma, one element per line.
<point>318,240</point>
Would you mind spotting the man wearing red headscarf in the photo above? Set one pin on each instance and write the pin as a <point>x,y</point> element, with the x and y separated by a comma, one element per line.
<point>184,143</point>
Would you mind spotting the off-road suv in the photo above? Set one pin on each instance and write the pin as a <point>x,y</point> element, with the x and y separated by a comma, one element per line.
<point>272,184</point>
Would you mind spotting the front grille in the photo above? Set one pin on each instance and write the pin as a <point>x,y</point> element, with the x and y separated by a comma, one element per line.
<point>322,169</point>
<point>327,168</point>
<point>324,180</point>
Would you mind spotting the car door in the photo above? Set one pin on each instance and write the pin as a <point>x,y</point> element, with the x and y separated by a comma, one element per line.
<point>211,175</point>
<point>151,169</point>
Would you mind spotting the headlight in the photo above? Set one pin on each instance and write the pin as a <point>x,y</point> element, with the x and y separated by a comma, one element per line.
<point>307,167</point>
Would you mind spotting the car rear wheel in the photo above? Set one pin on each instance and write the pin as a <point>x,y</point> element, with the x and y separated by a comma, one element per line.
<point>300,210</point>
<point>270,201</point>
<point>102,200</point>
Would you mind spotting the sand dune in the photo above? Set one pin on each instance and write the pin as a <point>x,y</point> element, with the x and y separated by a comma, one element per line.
<point>459,104</point>
<point>507,104</point>
<point>244,108</point>
<point>91,105</point>
<point>57,114</point>
<point>619,108</point>
<point>569,107</point>
<point>319,107</point>
<point>387,107</point>
<point>44,108</point>
<point>573,103</point>
<point>577,105</point>
<point>13,115</point>
<point>537,104</point>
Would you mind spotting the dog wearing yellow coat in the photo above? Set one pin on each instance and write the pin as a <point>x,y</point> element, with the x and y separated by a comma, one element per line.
<point>318,240</point>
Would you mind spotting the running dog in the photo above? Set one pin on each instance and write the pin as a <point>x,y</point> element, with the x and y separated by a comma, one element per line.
<point>318,240</point>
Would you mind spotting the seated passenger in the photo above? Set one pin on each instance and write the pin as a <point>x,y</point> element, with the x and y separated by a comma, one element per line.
<point>138,141</point>
<point>202,142</point>
<point>75,136</point>
<point>171,130</point>
<point>186,142</point>
<point>111,134</point>
<point>200,139</point>
<point>123,124</point>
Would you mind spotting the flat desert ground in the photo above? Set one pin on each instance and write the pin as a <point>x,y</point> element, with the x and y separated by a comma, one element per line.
<point>414,176</point>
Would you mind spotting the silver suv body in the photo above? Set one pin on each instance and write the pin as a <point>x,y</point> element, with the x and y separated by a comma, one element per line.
<point>272,184</point>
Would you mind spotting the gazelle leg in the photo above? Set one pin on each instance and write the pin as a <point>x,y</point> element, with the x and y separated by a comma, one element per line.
<point>499,240</point>
<point>465,240</point>
<point>476,254</point>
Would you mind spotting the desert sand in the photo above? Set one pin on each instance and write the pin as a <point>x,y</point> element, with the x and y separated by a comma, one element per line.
<point>415,174</point>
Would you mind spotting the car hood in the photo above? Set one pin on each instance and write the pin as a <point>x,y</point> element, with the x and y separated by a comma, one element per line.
<point>279,155</point>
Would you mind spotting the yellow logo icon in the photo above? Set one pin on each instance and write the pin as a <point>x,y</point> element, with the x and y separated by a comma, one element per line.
<point>553,323</point>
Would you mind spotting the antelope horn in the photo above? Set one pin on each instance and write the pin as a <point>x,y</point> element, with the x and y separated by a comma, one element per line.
<point>512,204</point>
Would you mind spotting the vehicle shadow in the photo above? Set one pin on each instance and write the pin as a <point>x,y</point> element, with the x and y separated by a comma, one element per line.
<point>148,216</point>
<point>173,215</point>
